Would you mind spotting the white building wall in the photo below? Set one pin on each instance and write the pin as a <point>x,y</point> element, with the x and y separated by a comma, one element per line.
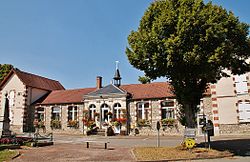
<point>17,108</point>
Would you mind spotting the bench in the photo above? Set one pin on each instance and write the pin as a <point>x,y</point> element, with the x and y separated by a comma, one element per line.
<point>105,143</point>
<point>43,140</point>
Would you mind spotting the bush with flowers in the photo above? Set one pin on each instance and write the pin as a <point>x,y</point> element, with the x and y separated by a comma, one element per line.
<point>90,124</point>
<point>55,124</point>
<point>119,121</point>
<point>73,123</point>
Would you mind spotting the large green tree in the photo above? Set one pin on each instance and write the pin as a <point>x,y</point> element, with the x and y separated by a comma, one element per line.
<point>4,70</point>
<point>191,43</point>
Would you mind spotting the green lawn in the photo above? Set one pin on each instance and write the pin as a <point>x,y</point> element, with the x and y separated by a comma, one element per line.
<point>7,154</point>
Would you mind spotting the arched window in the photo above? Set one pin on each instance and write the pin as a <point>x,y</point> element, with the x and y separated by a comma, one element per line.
<point>142,110</point>
<point>40,114</point>
<point>105,110</point>
<point>72,113</point>
<point>167,110</point>
<point>117,110</point>
<point>92,110</point>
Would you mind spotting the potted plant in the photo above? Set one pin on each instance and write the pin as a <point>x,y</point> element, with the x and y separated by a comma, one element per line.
<point>143,123</point>
<point>116,123</point>
<point>55,124</point>
<point>168,122</point>
<point>96,114</point>
<point>73,124</point>
<point>109,113</point>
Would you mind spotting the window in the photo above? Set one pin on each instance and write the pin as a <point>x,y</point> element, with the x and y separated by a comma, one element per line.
<point>167,110</point>
<point>142,110</point>
<point>241,84</point>
<point>72,113</point>
<point>12,98</point>
<point>92,110</point>
<point>55,122</point>
<point>56,113</point>
<point>105,110</point>
<point>40,114</point>
<point>244,112</point>
<point>11,104</point>
<point>117,110</point>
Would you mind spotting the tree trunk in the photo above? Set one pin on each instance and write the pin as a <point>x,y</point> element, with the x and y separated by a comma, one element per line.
<point>190,115</point>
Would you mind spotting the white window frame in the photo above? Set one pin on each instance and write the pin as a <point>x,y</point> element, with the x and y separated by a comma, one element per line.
<point>41,112</point>
<point>244,112</point>
<point>73,111</point>
<point>117,110</point>
<point>241,84</point>
<point>103,108</point>
<point>59,112</point>
<point>92,109</point>
<point>168,108</point>
<point>142,108</point>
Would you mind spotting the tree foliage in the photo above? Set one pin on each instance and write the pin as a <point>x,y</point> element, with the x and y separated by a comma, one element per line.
<point>4,70</point>
<point>144,79</point>
<point>191,43</point>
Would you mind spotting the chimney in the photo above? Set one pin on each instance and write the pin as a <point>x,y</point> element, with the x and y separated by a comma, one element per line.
<point>98,82</point>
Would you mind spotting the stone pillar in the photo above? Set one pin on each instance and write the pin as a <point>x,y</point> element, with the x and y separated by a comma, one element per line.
<point>48,112</point>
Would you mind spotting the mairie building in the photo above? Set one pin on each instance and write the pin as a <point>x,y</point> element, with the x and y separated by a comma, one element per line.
<point>132,109</point>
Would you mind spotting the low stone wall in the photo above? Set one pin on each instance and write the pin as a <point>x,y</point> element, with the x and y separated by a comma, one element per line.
<point>164,131</point>
<point>172,130</point>
<point>64,131</point>
<point>234,129</point>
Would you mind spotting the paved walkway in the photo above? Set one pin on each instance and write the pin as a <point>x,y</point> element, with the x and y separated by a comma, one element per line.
<point>72,148</point>
<point>74,152</point>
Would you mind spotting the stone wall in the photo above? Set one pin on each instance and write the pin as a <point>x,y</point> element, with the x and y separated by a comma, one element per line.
<point>64,119</point>
<point>154,116</point>
<point>234,129</point>
<point>164,131</point>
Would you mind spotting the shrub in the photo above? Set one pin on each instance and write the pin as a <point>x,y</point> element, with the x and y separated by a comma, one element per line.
<point>143,122</point>
<point>56,124</point>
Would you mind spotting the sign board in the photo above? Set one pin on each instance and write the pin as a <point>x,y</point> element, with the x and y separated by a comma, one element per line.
<point>207,127</point>
<point>190,133</point>
<point>158,126</point>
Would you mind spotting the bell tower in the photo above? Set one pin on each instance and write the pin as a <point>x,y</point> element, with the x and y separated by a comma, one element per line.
<point>117,78</point>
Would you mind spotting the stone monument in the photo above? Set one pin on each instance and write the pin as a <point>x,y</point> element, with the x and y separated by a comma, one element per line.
<point>4,118</point>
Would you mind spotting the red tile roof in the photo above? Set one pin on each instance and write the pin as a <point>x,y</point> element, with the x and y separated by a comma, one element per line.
<point>34,81</point>
<point>66,96</point>
<point>138,91</point>
<point>147,91</point>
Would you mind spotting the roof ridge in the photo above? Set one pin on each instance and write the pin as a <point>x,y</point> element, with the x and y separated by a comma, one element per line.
<point>123,91</point>
<point>73,89</point>
<point>144,84</point>
<point>18,70</point>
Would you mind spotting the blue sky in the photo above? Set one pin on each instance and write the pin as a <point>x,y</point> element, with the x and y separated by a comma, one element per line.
<point>74,41</point>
